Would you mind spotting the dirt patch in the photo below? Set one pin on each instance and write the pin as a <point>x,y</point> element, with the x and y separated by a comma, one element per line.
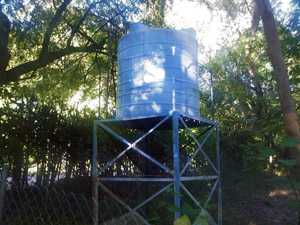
<point>257,201</point>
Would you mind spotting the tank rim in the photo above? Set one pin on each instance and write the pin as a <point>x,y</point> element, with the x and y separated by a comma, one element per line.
<point>155,29</point>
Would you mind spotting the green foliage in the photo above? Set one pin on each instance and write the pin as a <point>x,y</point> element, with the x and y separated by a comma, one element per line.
<point>287,163</point>
<point>33,133</point>
<point>289,142</point>
<point>183,220</point>
<point>246,99</point>
<point>202,218</point>
<point>294,204</point>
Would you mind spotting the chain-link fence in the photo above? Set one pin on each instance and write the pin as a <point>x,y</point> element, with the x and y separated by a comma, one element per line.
<point>39,205</point>
<point>45,206</point>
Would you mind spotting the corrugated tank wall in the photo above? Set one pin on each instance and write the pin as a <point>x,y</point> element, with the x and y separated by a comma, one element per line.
<point>157,73</point>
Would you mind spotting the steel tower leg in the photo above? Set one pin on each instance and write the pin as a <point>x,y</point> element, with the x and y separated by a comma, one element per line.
<point>220,200</point>
<point>176,163</point>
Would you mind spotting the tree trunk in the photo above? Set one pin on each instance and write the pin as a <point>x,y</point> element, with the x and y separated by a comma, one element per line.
<point>18,165</point>
<point>4,35</point>
<point>290,117</point>
<point>25,169</point>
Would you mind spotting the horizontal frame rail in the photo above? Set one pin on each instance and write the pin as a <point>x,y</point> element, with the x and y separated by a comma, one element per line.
<point>154,179</point>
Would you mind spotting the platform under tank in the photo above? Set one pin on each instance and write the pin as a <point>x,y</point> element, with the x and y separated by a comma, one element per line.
<point>157,73</point>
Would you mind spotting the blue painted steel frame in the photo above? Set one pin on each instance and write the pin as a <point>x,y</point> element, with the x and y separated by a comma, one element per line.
<point>177,121</point>
<point>176,162</point>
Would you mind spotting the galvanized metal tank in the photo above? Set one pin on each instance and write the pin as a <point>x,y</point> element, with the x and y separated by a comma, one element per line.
<point>157,73</point>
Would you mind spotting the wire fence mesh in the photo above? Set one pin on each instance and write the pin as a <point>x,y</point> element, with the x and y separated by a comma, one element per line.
<point>45,205</point>
<point>39,205</point>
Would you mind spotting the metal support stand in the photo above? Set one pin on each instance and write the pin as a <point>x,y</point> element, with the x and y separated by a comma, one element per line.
<point>174,177</point>
<point>176,163</point>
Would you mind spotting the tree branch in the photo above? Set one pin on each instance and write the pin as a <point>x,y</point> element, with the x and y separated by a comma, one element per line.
<point>4,35</point>
<point>75,29</point>
<point>15,73</point>
<point>55,20</point>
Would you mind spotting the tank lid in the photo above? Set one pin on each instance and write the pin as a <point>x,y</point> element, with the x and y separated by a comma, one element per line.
<point>140,27</point>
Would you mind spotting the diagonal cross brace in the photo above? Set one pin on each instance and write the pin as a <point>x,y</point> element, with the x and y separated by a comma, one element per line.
<point>199,149</point>
<point>211,193</point>
<point>133,146</point>
<point>123,203</point>
<point>197,203</point>
<point>134,210</point>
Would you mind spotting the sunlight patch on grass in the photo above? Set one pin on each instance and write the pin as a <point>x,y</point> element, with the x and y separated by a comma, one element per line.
<point>279,193</point>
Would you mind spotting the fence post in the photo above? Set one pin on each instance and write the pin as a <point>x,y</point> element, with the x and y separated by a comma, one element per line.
<point>2,190</point>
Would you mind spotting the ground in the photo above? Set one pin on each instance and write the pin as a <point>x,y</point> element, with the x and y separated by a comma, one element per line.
<point>255,199</point>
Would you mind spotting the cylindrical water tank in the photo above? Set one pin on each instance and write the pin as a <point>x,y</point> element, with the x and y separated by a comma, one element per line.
<point>157,73</point>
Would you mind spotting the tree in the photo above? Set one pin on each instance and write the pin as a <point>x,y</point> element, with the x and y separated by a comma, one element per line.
<point>57,31</point>
<point>4,33</point>
<point>156,12</point>
<point>263,10</point>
